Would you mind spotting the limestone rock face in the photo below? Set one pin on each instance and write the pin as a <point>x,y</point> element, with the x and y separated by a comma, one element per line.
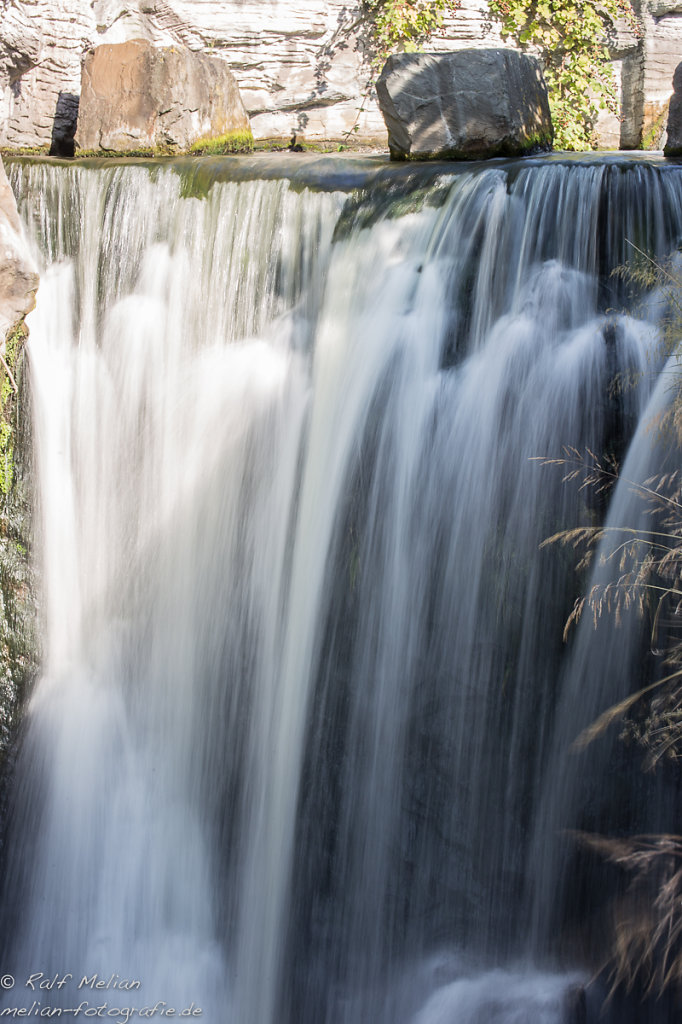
<point>54,35</point>
<point>301,65</point>
<point>138,96</point>
<point>647,73</point>
<point>20,43</point>
<point>465,105</point>
<point>18,275</point>
<point>673,146</point>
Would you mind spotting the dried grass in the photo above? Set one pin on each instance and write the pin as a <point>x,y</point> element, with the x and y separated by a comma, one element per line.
<point>642,572</point>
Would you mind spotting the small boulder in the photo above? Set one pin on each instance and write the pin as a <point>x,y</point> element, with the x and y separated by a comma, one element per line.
<point>18,274</point>
<point>466,105</point>
<point>135,96</point>
<point>673,146</point>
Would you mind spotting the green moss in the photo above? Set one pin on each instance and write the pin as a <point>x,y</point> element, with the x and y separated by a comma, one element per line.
<point>221,145</point>
<point>653,138</point>
<point>218,145</point>
<point>13,345</point>
<point>117,154</point>
<point>533,145</point>
<point>18,609</point>
<point>280,144</point>
<point>24,151</point>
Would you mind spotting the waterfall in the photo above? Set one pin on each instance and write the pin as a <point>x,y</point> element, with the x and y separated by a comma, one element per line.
<point>293,755</point>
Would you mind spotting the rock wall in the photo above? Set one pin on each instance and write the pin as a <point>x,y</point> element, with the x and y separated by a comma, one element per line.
<point>649,72</point>
<point>52,35</point>
<point>302,65</point>
<point>18,275</point>
<point>18,606</point>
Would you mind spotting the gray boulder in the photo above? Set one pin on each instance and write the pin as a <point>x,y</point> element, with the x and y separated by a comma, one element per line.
<point>18,275</point>
<point>673,146</point>
<point>466,105</point>
<point>135,96</point>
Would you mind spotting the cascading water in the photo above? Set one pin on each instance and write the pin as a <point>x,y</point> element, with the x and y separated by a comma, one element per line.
<point>287,756</point>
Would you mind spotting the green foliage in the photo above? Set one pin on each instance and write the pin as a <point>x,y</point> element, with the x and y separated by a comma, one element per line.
<point>19,650</point>
<point>215,145</point>
<point>571,39</point>
<point>569,36</point>
<point>402,25</point>
<point>645,578</point>
<point>7,393</point>
<point>10,151</point>
<point>653,138</point>
<point>220,145</point>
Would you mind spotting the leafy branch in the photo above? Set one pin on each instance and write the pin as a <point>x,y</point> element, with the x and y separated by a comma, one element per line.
<point>646,576</point>
<point>404,24</point>
<point>571,39</point>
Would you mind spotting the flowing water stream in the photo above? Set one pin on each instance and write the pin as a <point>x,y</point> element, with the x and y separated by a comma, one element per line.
<point>296,752</point>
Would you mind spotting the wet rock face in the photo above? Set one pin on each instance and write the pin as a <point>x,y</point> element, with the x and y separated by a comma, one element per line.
<point>138,96</point>
<point>467,105</point>
<point>673,146</point>
<point>18,605</point>
<point>18,275</point>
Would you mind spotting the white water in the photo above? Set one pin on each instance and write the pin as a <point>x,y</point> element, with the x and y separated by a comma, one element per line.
<point>301,649</point>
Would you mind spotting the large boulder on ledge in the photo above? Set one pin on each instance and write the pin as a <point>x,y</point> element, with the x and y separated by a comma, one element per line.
<point>466,105</point>
<point>136,96</point>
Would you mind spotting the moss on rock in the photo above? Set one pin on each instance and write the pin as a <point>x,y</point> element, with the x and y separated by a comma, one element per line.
<point>18,606</point>
<point>221,145</point>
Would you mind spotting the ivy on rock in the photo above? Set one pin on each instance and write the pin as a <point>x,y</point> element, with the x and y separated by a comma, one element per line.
<point>570,37</point>
<point>404,24</point>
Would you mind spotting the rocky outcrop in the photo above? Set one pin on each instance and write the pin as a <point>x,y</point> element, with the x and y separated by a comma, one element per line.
<point>648,72</point>
<point>301,65</point>
<point>673,146</point>
<point>18,275</point>
<point>20,45</point>
<point>468,105</point>
<point>137,96</point>
<point>18,606</point>
<point>59,34</point>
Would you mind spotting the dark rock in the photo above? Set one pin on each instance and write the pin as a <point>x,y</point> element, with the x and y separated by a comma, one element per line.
<point>64,127</point>
<point>575,1010</point>
<point>135,96</point>
<point>466,105</point>
<point>673,146</point>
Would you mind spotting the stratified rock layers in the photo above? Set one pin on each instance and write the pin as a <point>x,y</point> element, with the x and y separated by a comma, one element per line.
<point>673,146</point>
<point>300,66</point>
